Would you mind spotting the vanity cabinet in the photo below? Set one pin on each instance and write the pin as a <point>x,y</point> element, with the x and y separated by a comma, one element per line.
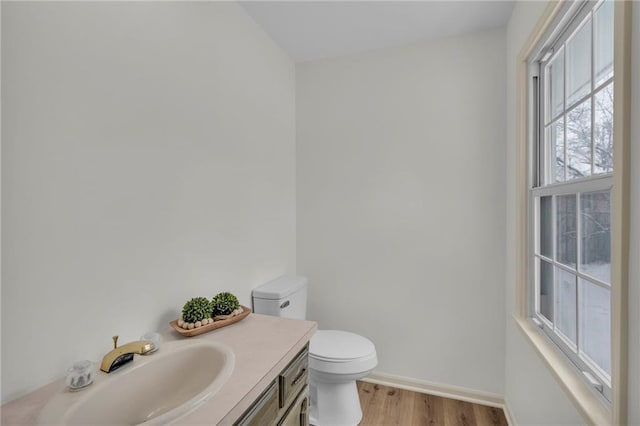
<point>267,387</point>
<point>285,402</point>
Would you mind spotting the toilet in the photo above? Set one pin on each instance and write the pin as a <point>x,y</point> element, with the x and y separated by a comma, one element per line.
<point>336,358</point>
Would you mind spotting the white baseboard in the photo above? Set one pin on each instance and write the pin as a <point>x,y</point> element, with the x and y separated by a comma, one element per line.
<point>508,414</point>
<point>438,389</point>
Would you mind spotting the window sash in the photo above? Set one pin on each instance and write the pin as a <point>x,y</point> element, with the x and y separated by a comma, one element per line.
<point>582,15</point>
<point>574,351</point>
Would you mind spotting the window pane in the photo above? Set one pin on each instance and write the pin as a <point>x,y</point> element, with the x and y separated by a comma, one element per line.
<point>579,64</point>
<point>566,229</point>
<point>595,256</point>
<point>556,136</point>
<point>603,130</point>
<point>546,290</point>
<point>579,141</point>
<point>555,77</point>
<point>546,227</point>
<point>566,304</point>
<point>603,48</point>
<point>595,323</point>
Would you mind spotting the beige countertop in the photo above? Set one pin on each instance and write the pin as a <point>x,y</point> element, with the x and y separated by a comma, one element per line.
<point>263,346</point>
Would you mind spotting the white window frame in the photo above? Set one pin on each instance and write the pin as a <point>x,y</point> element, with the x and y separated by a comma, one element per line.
<point>588,402</point>
<point>542,184</point>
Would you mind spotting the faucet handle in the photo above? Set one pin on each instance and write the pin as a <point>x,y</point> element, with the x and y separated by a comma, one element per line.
<point>115,341</point>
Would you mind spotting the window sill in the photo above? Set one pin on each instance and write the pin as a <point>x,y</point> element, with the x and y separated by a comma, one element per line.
<point>588,404</point>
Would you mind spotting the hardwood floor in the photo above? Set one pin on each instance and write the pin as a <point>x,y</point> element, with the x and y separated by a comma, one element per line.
<point>386,406</point>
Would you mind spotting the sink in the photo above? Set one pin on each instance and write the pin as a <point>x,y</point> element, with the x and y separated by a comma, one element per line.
<point>153,389</point>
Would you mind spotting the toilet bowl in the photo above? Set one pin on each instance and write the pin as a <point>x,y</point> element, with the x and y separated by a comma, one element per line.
<point>336,358</point>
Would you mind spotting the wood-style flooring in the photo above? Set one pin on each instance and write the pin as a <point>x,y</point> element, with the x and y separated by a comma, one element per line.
<point>387,406</point>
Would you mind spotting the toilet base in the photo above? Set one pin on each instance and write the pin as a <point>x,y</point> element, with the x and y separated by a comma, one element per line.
<point>334,404</point>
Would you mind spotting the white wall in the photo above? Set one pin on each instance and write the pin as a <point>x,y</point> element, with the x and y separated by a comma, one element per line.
<point>532,394</point>
<point>148,157</point>
<point>400,173</point>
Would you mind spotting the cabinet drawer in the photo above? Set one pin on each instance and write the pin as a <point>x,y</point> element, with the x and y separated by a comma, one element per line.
<point>298,414</point>
<point>264,411</point>
<point>294,378</point>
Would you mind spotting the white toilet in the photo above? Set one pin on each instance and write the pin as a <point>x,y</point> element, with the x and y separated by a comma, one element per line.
<point>336,358</point>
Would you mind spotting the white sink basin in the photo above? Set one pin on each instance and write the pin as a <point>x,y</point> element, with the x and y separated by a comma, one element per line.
<point>153,389</point>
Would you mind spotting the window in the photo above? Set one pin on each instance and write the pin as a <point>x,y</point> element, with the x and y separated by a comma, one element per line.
<point>570,190</point>
<point>572,200</point>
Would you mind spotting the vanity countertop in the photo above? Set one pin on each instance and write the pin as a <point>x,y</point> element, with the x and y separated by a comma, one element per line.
<point>263,346</point>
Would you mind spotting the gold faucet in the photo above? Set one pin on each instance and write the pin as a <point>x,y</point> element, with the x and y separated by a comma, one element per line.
<point>122,355</point>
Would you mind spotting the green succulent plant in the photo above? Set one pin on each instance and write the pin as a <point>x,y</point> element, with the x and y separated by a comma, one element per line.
<point>197,309</point>
<point>224,303</point>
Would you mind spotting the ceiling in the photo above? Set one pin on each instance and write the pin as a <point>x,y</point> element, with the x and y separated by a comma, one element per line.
<point>310,30</point>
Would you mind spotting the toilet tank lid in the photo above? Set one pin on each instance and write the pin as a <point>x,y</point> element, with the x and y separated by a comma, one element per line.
<point>280,287</point>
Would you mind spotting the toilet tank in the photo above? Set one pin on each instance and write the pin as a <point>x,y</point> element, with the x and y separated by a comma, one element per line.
<point>286,296</point>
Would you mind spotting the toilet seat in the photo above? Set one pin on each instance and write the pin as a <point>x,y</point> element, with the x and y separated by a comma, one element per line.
<point>341,352</point>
